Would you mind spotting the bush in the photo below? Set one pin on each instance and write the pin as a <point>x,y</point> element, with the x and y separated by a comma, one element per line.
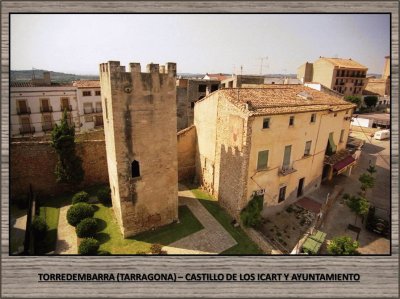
<point>78,212</point>
<point>104,252</point>
<point>80,197</point>
<point>39,228</point>
<point>22,201</point>
<point>86,228</point>
<point>104,195</point>
<point>157,249</point>
<point>88,246</point>
<point>343,246</point>
<point>251,214</point>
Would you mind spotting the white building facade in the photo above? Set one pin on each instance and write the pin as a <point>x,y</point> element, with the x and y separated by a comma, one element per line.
<point>36,108</point>
<point>89,104</point>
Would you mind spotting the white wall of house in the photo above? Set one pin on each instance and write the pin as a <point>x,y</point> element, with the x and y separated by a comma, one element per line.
<point>33,97</point>
<point>89,107</point>
<point>362,122</point>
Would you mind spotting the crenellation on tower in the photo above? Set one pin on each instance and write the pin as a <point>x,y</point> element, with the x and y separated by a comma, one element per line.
<point>141,144</point>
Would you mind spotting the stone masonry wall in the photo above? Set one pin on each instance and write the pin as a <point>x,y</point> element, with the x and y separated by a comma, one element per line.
<point>33,162</point>
<point>140,125</point>
<point>187,144</point>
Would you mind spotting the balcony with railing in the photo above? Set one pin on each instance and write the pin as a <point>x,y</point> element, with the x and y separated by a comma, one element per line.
<point>88,110</point>
<point>46,109</point>
<point>23,110</point>
<point>66,107</point>
<point>27,129</point>
<point>286,169</point>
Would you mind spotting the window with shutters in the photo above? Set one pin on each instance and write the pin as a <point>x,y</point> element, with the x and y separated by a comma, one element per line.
<point>262,161</point>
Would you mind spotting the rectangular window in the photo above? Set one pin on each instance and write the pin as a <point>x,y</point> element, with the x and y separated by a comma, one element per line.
<point>65,104</point>
<point>307,149</point>
<point>313,117</point>
<point>86,93</point>
<point>282,194</point>
<point>291,121</point>
<point>202,88</point>
<point>87,108</point>
<point>97,92</point>
<point>266,123</point>
<point>286,157</point>
<point>341,135</point>
<point>98,107</point>
<point>44,105</point>
<point>23,107</point>
<point>262,162</point>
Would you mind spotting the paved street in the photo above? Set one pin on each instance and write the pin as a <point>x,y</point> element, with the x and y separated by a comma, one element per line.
<point>340,216</point>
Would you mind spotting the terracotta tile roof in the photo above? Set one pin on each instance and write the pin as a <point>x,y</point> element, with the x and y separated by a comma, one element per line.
<point>21,84</point>
<point>282,99</point>
<point>87,84</point>
<point>375,87</point>
<point>31,84</point>
<point>344,63</point>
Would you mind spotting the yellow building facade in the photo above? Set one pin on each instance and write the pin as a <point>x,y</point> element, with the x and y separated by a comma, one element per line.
<point>269,141</point>
<point>345,76</point>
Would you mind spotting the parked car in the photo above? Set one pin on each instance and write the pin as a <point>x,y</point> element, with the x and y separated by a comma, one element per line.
<point>381,135</point>
<point>378,221</point>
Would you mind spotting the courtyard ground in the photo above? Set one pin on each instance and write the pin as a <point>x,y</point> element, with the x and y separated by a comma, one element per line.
<point>17,229</point>
<point>203,228</point>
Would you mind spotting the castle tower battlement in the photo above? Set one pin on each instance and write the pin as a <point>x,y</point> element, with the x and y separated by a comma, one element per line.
<point>139,113</point>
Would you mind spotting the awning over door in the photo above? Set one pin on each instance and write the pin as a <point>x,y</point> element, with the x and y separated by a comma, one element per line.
<point>341,165</point>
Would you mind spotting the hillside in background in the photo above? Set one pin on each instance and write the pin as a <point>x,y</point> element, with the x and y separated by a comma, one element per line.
<point>26,75</point>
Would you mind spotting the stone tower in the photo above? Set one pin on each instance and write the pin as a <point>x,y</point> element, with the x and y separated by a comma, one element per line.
<point>139,112</point>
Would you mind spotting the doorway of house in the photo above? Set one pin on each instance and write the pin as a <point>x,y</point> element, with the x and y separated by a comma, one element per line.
<point>300,187</point>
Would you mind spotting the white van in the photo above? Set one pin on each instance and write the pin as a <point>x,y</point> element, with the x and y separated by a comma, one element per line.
<point>381,135</point>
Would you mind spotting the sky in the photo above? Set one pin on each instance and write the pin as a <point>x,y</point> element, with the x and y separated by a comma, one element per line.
<point>198,43</point>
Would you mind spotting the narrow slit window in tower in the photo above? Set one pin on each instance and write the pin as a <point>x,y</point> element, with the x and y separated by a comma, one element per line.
<point>135,169</point>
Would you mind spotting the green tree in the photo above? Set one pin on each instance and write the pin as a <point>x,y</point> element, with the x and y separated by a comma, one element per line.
<point>371,101</point>
<point>343,246</point>
<point>251,214</point>
<point>357,204</point>
<point>69,165</point>
<point>367,181</point>
<point>371,169</point>
<point>353,99</point>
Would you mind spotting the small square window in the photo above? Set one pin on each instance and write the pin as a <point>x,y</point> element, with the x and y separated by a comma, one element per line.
<point>266,123</point>
<point>291,121</point>
<point>86,93</point>
<point>313,117</point>
<point>97,92</point>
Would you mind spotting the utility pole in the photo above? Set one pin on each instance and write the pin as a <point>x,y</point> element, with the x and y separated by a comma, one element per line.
<point>262,63</point>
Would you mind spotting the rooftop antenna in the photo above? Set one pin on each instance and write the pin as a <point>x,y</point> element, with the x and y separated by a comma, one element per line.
<point>262,63</point>
<point>241,70</point>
